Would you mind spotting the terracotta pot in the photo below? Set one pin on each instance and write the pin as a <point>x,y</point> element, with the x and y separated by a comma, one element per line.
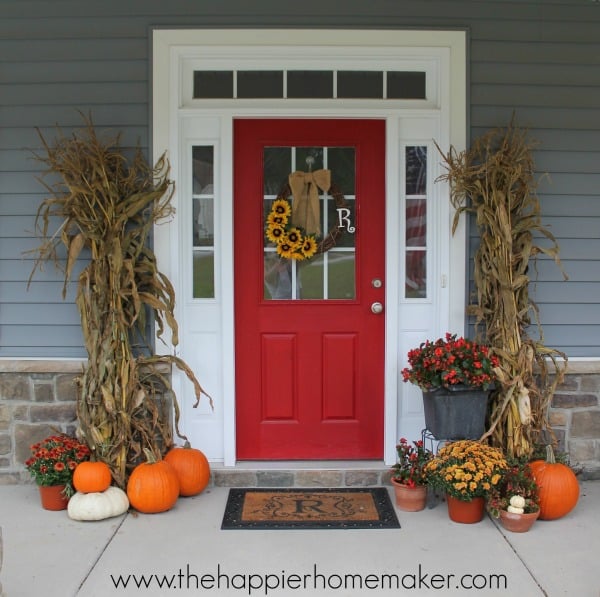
<point>465,512</point>
<point>410,499</point>
<point>517,523</point>
<point>53,497</point>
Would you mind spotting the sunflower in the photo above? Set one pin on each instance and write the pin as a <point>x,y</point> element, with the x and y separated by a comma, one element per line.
<point>294,237</point>
<point>290,241</point>
<point>285,250</point>
<point>274,219</point>
<point>281,207</point>
<point>309,247</point>
<point>275,233</point>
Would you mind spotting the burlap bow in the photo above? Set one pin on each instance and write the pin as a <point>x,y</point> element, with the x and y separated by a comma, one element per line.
<point>305,189</point>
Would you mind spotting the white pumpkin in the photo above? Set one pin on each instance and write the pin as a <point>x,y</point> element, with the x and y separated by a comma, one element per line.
<point>99,505</point>
<point>515,510</point>
<point>518,501</point>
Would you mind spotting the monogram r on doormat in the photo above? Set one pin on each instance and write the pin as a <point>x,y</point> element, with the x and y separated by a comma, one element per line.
<point>293,508</point>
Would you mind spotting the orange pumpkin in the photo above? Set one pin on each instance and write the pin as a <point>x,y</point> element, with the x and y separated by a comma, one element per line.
<point>153,486</point>
<point>192,469</point>
<point>91,477</point>
<point>558,486</point>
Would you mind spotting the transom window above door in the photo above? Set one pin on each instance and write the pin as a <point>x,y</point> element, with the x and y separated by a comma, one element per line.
<point>307,84</point>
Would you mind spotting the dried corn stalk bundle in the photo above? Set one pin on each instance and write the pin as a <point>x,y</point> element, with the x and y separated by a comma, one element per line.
<point>495,181</point>
<point>106,205</point>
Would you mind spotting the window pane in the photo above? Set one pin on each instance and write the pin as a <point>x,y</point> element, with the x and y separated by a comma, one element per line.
<point>360,84</point>
<point>203,169</point>
<point>277,166</point>
<point>309,83</point>
<point>416,274</point>
<point>213,84</point>
<point>406,85</point>
<point>340,277</point>
<point>340,160</point>
<point>310,278</point>
<point>342,218</point>
<point>260,83</point>
<point>416,170</point>
<point>309,158</point>
<point>278,277</point>
<point>416,222</point>
<point>203,272</point>
<point>203,222</point>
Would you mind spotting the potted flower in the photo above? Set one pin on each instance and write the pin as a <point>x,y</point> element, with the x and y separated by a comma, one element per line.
<point>466,471</point>
<point>515,500</point>
<point>408,475</point>
<point>51,464</point>
<point>455,375</point>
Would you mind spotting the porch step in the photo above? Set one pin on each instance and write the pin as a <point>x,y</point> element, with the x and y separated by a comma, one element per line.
<point>301,474</point>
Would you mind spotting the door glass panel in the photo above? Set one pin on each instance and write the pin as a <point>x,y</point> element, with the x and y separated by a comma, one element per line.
<point>277,162</point>
<point>330,273</point>
<point>203,225</point>
<point>415,238</point>
<point>340,274</point>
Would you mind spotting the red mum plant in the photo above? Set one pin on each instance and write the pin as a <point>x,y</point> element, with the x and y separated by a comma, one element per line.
<point>451,361</point>
<point>409,469</point>
<point>54,459</point>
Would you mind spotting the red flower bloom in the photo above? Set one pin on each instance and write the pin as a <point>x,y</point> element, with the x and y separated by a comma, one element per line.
<point>450,361</point>
<point>54,459</point>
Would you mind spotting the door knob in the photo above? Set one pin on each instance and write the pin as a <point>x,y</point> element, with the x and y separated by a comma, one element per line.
<point>377,308</point>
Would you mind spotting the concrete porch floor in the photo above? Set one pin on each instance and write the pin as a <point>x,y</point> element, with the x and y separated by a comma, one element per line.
<point>46,553</point>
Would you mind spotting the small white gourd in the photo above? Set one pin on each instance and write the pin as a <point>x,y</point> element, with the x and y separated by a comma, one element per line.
<point>515,510</point>
<point>99,505</point>
<point>518,501</point>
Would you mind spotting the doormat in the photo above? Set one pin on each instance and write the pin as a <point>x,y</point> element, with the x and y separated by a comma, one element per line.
<point>293,508</point>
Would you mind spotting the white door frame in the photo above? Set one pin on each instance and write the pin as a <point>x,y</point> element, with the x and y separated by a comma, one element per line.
<point>178,119</point>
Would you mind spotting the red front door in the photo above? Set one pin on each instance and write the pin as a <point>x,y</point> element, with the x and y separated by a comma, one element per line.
<point>309,350</point>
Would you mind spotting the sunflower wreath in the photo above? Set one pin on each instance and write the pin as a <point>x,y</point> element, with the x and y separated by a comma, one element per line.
<point>290,241</point>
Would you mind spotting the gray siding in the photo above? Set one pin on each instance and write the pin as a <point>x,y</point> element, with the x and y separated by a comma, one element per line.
<point>539,58</point>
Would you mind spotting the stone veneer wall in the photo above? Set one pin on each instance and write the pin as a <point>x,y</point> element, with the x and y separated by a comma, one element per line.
<point>37,398</point>
<point>575,417</point>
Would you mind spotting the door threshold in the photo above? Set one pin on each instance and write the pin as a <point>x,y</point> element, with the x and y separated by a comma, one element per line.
<point>313,473</point>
